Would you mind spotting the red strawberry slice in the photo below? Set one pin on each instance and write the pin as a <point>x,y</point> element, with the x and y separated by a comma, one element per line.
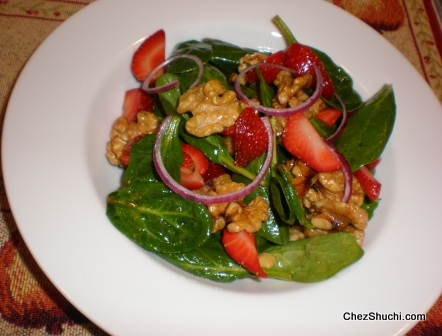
<point>213,171</point>
<point>241,247</point>
<point>195,164</point>
<point>329,115</point>
<point>268,72</point>
<point>136,100</point>
<point>368,182</point>
<point>150,53</point>
<point>301,58</point>
<point>249,138</point>
<point>302,140</point>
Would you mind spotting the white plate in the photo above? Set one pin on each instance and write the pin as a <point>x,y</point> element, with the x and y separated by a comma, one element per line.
<point>57,178</point>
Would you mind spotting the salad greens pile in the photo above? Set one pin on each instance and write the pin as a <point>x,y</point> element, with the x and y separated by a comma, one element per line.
<point>179,230</point>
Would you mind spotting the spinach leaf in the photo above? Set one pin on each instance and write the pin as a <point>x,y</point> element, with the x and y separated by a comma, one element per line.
<point>226,55</point>
<point>141,167</point>
<point>323,129</point>
<point>210,72</point>
<point>148,212</point>
<point>314,259</point>
<point>171,149</point>
<point>370,206</point>
<point>286,201</point>
<point>157,219</point>
<point>342,83</point>
<point>192,47</point>
<point>171,96</point>
<point>266,93</point>
<point>208,261</point>
<point>368,130</point>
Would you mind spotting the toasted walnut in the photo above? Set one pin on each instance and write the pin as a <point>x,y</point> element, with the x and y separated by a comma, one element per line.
<point>248,218</point>
<point>279,125</point>
<point>251,59</point>
<point>303,177</point>
<point>289,91</point>
<point>326,210</point>
<point>296,233</point>
<point>213,108</point>
<point>356,215</point>
<point>266,260</point>
<point>123,131</point>
<point>310,233</point>
<point>236,214</point>
<point>332,184</point>
<point>245,62</point>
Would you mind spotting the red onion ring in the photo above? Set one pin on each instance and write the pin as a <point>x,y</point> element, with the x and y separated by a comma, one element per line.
<point>284,112</point>
<point>173,84</point>
<point>206,199</point>
<point>341,126</point>
<point>346,170</point>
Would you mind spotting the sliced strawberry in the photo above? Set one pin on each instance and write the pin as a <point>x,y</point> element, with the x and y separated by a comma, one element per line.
<point>329,115</point>
<point>250,137</point>
<point>125,154</point>
<point>150,53</point>
<point>195,164</point>
<point>269,73</point>
<point>241,247</point>
<point>301,58</point>
<point>368,182</point>
<point>302,140</point>
<point>213,171</point>
<point>136,100</point>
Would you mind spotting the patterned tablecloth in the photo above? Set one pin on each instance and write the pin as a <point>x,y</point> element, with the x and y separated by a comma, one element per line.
<point>29,303</point>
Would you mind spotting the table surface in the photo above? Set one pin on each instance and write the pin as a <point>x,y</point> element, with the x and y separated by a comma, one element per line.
<point>29,303</point>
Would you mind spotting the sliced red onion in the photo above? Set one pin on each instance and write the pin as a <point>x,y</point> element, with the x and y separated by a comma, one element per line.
<point>206,199</point>
<point>173,84</point>
<point>346,170</point>
<point>283,112</point>
<point>341,126</point>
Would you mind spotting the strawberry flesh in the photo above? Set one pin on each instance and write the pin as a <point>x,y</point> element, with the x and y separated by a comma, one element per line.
<point>302,140</point>
<point>268,72</point>
<point>301,59</point>
<point>214,170</point>
<point>136,100</point>
<point>150,54</point>
<point>329,115</point>
<point>249,137</point>
<point>195,164</point>
<point>241,247</point>
<point>368,182</point>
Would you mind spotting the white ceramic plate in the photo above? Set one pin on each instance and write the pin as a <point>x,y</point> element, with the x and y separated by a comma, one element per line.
<point>57,178</point>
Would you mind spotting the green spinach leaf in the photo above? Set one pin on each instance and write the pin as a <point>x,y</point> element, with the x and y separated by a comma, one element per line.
<point>157,219</point>
<point>200,49</point>
<point>314,259</point>
<point>368,130</point>
<point>208,261</point>
<point>342,83</point>
<point>225,55</point>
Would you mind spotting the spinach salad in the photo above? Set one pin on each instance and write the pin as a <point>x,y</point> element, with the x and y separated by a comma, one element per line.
<point>240,163</point>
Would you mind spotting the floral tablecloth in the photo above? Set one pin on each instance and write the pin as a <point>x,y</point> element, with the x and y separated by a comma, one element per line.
<point>29,303</point>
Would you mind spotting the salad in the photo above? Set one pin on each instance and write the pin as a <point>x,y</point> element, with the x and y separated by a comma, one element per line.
<point>241,163</point>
